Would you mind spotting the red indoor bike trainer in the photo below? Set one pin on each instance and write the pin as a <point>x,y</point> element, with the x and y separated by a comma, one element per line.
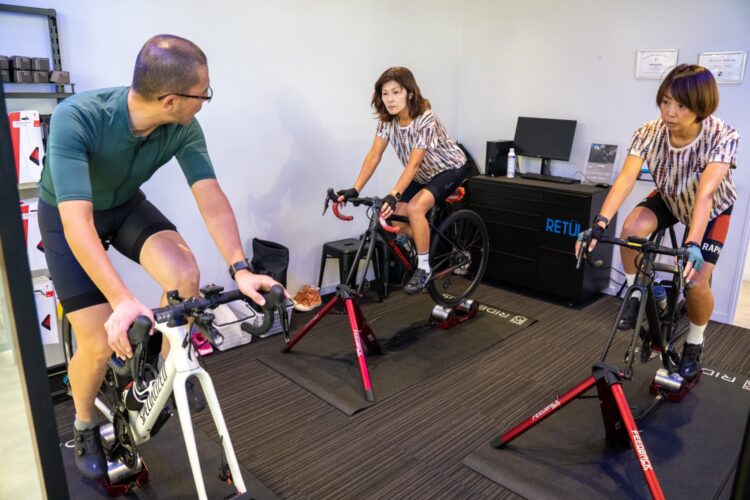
<point>125,480</point>
<point>619,424</point>
<point>361,333</point>
<point>446,317</point>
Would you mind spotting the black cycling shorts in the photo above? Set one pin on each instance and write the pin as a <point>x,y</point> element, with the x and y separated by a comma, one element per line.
<point>125,227</point>
<point>441,186</point>
<point>716,230</point>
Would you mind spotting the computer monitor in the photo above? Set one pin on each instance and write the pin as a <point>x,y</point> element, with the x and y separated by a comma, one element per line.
<point>545,138</point>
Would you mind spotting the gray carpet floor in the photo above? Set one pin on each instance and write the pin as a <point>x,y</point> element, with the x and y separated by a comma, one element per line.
<point>412,445</point>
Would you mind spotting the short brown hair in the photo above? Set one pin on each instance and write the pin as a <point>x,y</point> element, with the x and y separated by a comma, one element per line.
<point>165,64</point>
<point>415,101</point>
<point>692,86</point>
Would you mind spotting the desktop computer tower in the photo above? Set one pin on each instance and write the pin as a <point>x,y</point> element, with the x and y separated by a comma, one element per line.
<point>496,162</point>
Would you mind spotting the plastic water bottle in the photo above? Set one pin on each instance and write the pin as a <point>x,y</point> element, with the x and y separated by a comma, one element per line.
<point>404,243</point>
<point>660,296</point>
<point>511,171</point>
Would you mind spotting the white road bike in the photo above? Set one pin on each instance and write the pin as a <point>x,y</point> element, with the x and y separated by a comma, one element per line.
<point>135,396</point>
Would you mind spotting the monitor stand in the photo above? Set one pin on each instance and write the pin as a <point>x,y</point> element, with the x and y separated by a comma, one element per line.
<point>546,170</point>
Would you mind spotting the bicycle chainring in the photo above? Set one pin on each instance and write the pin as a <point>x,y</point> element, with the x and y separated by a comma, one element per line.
<point>124,448</point>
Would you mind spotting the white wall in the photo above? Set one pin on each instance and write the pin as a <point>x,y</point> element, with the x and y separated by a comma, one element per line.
<point>576,60</point>
<point>291,117</point>
<point>293,82</point>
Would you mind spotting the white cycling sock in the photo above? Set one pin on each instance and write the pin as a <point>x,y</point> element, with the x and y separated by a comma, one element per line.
<point>82,425</point>
<point>695,334</point>
<point>630,279</point>
<point>423,261</point>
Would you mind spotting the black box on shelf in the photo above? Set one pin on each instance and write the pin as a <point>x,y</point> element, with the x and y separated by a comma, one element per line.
<point>4,76</point>
<point>40,63</point>
<point>40,76</point>
<point>22,76</point>
<point>4,63</point>
<point>59,77</point>
<point>20,63</point>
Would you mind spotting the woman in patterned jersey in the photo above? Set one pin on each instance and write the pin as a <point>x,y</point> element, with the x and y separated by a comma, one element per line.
<point>690,154</point>
<point>434,164</point>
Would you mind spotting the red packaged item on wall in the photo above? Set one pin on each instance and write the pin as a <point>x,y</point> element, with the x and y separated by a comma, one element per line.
<point>28,148</point>
<point>34,246</point>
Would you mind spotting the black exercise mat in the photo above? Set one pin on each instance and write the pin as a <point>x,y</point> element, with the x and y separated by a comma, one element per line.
<point>324,362</point>
<point>693,445</point>
<point>169,472</point>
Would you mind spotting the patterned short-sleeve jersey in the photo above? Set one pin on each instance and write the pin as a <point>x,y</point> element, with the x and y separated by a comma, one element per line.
<point>428,133</point>
<point>677,171</point>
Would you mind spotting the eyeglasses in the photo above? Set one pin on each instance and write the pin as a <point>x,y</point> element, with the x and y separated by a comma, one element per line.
<point>206,98</point>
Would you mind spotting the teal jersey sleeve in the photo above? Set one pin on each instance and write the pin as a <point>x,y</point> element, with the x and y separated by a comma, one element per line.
<point>67,155</point>
<point>193,155</point>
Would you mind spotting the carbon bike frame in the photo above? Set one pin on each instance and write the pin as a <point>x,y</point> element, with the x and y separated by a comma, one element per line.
<point>181,363</point>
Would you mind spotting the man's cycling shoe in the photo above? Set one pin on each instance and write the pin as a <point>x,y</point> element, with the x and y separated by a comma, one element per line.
<point>89,453</point>
<point>691,362</point>
<point>418,281</point>
<point>628,316</point>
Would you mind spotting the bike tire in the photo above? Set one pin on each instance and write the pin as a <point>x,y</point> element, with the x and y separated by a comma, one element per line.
<point>461,237</point>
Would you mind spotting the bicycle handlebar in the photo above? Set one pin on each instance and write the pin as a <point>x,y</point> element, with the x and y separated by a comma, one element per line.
<point>641,245</point>
<point>138,333</point>
<point>374,202</point>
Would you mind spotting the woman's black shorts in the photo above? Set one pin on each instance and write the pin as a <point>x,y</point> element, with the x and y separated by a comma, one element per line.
<point>441,186</point>
<point>126,227</point>
<point>714,236</point>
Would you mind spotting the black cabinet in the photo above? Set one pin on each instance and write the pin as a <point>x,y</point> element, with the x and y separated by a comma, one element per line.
<point>532,228</point>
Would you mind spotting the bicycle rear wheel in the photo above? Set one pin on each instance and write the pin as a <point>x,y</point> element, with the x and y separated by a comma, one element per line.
<point>458,257</point>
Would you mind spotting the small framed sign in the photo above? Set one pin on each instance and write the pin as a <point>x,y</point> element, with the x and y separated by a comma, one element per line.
<point>600,166</point>
<point>654,64</point>
<point>727,67</point>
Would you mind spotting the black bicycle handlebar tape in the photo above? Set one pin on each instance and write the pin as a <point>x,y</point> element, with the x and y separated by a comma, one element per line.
<point>167,313</point>
<point>139,330</point>
<point>275,299</point>
<point>138,335</point>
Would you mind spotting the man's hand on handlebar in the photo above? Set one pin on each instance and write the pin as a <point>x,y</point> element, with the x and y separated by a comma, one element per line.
<point>345,194</point>
<point>123,315</point>
<point>251,284</point>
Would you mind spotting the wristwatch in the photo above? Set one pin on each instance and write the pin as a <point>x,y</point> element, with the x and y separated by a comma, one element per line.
<point>601,218</point>
<point>238,266</point>
<point>397,195</point>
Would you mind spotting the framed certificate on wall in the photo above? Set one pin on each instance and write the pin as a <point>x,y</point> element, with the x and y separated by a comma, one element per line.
<point>654,64</point>
<point>727,67</point>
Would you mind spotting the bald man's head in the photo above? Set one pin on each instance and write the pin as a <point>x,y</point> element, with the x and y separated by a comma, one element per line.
<point>167,64</point>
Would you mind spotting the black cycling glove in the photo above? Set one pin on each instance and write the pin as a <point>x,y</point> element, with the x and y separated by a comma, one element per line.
<point>390,200</point>
<point>348,193</point>
<point>595,232</point>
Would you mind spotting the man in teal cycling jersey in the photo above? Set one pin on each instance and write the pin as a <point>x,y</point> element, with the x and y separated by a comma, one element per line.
<point>103,146</point>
